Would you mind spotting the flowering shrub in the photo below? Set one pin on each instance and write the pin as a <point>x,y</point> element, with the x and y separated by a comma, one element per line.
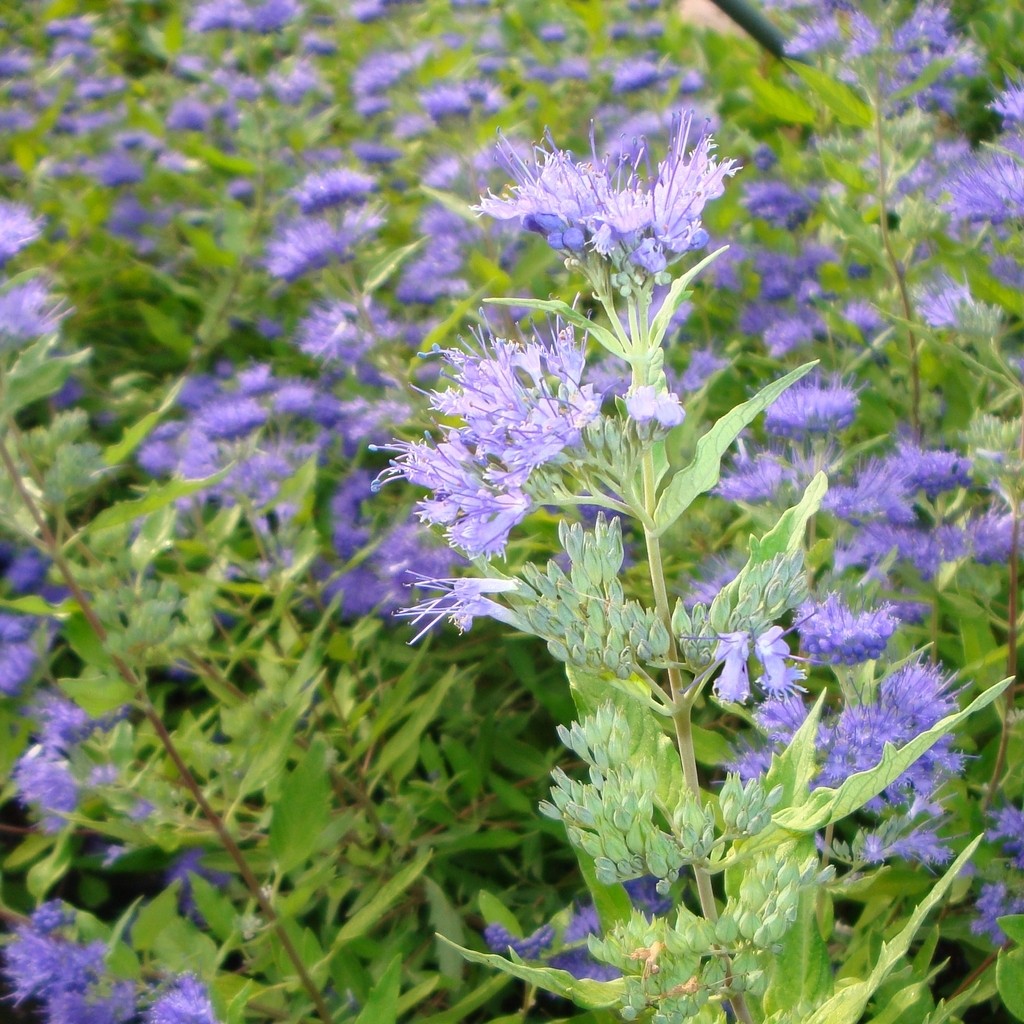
<point>705,367</point>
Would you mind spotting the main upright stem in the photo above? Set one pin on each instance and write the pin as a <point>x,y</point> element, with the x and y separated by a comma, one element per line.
<point>682,702</point>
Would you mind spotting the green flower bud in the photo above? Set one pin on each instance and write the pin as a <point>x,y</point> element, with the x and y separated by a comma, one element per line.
<point>727,931</point>
<point>748,923</point>
<point>558,651</point>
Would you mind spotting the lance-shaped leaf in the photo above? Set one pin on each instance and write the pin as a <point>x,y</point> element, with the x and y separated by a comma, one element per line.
<point>849,1003</point>
<point>570,315</point>
<point>787,535</point>
<point>704,471</point>
<point>797,765</point>
<point>154,497</point>
<point>848,107</point>
<point>592,995</point>
<point>677,295</point>
<point>590,691</point>
<point>825,806</point>
<point>38,372</point>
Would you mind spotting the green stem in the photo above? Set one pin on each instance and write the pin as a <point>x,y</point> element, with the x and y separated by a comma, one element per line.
<point>898,270</point>
<point>683,704</point>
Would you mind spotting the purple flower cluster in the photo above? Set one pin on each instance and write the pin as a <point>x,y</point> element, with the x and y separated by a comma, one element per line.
<point>45,775</point>
<point>989,185</point>
<point>908,702</point>
<point>261,429</point>
<point>18,228</point>
<point>833,633</point>
<point>522,407</point>
<point>1000,898</point>
<point>300,247</point>
<point>608,207</point>
<point>71,981</point>
<point>923,49</point>
<point>19,652</point>
<point>236,15</point>
<point>322,190</point>
<point>812,406</point>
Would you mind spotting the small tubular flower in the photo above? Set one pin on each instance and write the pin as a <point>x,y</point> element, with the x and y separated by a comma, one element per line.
<point>645,404</point>
<point>734,682</point>
<point>461,600</point>
<point>779,677</point>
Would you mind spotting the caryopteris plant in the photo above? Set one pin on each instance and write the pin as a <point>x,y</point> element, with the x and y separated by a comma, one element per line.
<point>749,873</point>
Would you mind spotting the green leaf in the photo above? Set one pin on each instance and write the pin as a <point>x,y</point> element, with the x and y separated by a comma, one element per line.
<point>46,873</point>
<point>989,289</point>
<point>33,604</point>
<point>364,919</point>
<point>154,918</point>
<point>400,753</point>
<point>794,768</point>
<point>98,693</point>
<point>781,103</point>
<point>677,295</point>
<point>85,643</point>
<point>134,435</point>
<point>710,748</point>
<point>452,203</point>
<point>37,373</point>
<point>612,902</point>
<point>303,810</point>
<point>217,910</point>
<point>848,1003</point>
<point>1010,980</point>
<point>932,72</point>
<point>825,806</point>
<point>224,161</point>
<point>446,921</point>
<point>205,244</point>
<point>155,534</point>
<point>165,330</point>
<point>844,171</point>
<point>848,107</point>
<point>787,535</point>
<point>703,472</point>
<point>387,265</point>
<point>462,1010</point>
<point>381,1006</point>
<point>570,315</point>
<point>174,32</point>
<point>1013,926</point>
<point>590,691</point>
<point>590,994</point>
<point>495,912</point>
<point>155,497</point>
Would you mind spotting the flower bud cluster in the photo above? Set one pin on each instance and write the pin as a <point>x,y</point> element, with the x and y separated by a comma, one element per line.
<point>747,810</point>
<point>994,445</point>
<point>612,817</point>
<point>584,616</point>
<point>761,594</point>
<point>661,963</point>
<point>674,968</point>
<point>610,444</point>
